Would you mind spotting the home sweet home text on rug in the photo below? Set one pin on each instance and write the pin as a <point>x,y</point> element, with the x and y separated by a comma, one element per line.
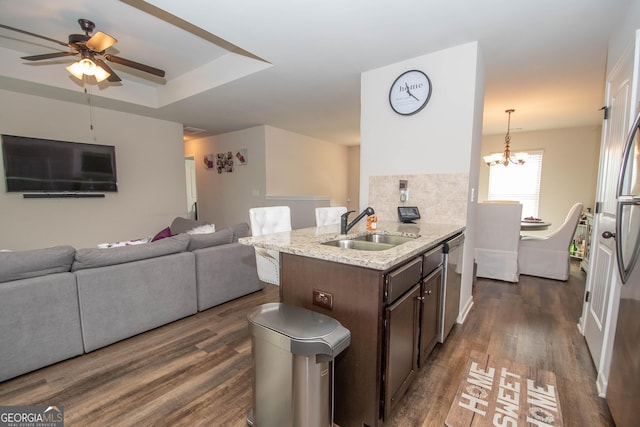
<point>501,392</point>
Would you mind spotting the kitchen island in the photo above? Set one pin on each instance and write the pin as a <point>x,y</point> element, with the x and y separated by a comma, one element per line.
<point>386,298</point>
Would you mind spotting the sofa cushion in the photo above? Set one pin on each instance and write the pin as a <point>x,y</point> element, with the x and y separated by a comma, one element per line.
<point>240,230</point>
<point>119,301</point>
<point>182,225</point>
<point>95,257</point>
<point>39,324</point>
<point>199,241</point>
<point>224,273</point>
<point>33,263</point>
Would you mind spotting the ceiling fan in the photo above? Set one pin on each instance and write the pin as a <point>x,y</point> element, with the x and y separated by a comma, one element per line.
<point>91,49</point>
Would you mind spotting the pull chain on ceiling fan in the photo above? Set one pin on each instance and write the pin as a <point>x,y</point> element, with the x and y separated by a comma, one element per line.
<point>91,49</point>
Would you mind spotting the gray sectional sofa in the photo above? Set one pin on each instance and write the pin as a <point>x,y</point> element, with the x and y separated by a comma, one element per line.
<point>59,302</point>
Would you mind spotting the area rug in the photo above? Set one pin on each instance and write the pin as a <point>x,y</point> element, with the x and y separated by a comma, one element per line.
<point>500,392</point>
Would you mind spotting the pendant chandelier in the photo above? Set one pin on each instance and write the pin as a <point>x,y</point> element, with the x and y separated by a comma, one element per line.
<point>506,157</point>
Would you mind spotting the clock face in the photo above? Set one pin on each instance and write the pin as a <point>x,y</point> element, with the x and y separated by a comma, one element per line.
<point>410,92</point>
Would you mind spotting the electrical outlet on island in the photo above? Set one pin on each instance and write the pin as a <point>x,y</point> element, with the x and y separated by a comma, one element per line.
<point>323,299</point>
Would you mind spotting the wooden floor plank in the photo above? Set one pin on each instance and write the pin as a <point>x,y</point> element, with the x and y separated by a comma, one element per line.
<point>197,371</point>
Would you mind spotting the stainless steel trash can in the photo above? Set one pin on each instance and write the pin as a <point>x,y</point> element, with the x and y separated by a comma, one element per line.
<point>293,351</point>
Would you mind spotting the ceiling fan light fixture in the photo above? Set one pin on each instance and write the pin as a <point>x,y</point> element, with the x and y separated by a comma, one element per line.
<point>91,49</point>
<point>87,67</point>
<point>76,70</point>
<point>101,74</point>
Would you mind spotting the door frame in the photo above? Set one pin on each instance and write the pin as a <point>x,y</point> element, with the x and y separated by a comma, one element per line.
<point>191,184</point>
<point>630,57</point>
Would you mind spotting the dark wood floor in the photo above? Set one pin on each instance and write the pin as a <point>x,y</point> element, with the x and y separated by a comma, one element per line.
<point>197,371</point>
<point>533,322</point>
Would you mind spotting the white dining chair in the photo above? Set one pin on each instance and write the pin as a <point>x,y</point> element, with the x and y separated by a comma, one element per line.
<point>497,236</point>
<point>548,256</point>
<point>329,215</point>
<point>268,220</point>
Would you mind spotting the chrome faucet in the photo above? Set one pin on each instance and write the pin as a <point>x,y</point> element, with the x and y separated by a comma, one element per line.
<point>344,218</point>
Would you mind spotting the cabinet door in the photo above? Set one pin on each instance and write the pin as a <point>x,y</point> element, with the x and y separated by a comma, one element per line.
<point>401,319</point>
<point>429,313</point>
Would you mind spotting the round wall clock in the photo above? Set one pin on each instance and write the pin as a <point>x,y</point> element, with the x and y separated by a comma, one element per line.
<point>410,92</point>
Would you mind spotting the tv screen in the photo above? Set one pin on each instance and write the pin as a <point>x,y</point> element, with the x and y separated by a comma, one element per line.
<point>44,165</point>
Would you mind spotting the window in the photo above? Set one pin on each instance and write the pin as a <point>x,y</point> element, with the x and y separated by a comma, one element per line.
<point>520,183</point>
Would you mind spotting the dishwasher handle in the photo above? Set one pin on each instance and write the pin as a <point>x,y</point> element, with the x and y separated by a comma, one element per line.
<point>452,243</point>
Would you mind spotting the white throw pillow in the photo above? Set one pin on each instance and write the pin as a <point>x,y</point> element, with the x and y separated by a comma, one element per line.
<point>127,243</point>
<point>203,229</point>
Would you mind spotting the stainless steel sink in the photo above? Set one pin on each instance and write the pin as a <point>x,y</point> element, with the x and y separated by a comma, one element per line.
<point>361,245</point>
<point>385,238</point>
<point>370,242</point>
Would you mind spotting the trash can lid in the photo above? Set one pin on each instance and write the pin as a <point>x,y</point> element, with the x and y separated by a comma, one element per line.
<point>309,332</point>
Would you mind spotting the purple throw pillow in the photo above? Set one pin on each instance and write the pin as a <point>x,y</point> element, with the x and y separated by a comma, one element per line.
<point>162,234</point>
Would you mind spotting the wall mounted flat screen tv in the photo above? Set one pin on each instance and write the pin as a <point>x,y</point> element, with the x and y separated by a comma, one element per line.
<point>44,165</point>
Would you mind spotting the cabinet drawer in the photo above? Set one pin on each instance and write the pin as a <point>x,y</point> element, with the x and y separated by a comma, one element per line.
<point>402,279</point>
<point>431,260</point>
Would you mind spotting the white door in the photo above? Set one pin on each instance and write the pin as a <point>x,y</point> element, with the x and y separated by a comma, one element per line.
<point>192,194</point>
<point>602,276</point>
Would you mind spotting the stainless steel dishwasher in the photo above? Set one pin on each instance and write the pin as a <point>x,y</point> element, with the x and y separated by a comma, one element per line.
<point>450,293</point>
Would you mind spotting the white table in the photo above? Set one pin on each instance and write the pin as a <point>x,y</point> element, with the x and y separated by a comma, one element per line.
<point>534,226</point>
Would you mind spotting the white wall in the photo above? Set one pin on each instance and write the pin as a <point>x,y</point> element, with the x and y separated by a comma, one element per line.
<point>435,140</point>
<point>569,167</point>
<point>283,168</point>
<point>439,140</point>
<point>353,183</point>
<point>225,199</point>
<point>151,177</point>
<point>624,35</point>
<point>300,165</point>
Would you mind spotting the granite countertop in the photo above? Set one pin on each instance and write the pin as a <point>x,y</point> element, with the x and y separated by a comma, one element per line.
<point>307,242</point>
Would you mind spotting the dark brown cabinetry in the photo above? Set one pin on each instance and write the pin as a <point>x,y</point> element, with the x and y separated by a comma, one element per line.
<point>402,347</point>
<point>429,313</point>
<point>357,295</point>
<point>402,331</point>
<point>432,273</point>
<point>387,313</point>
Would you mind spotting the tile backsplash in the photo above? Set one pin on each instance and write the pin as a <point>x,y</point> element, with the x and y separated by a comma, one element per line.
<point>441,197</point>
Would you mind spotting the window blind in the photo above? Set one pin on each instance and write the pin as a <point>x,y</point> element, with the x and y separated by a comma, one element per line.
<point>518,182</point>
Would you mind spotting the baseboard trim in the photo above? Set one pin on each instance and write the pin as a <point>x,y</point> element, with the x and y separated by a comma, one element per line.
<point>465,311</point>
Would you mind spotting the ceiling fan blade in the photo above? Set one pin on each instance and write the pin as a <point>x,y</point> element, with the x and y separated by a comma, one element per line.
<point>100,41</point>
<point>48,56</point>
<point>113,77</point>
<point>34,35</point>
<point>136,65</point>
